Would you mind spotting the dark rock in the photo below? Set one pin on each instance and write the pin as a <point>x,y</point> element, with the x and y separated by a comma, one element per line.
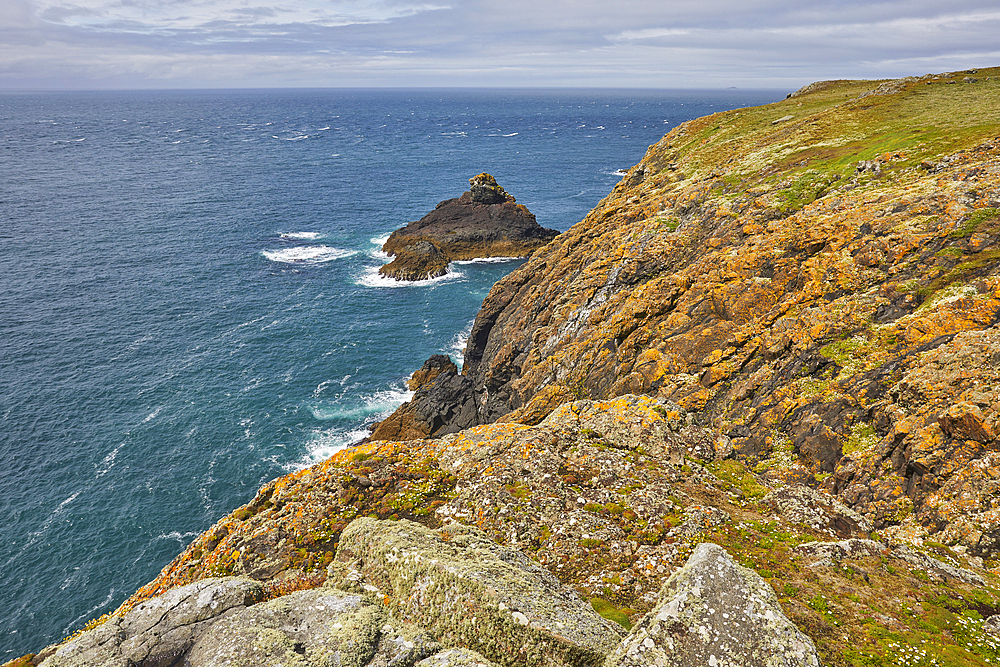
<point>439,407</point>
<point>484,190</point>
<point>433,367</point>
<point>483,222</point>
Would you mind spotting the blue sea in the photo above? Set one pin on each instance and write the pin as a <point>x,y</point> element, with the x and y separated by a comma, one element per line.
<point>191,305</point>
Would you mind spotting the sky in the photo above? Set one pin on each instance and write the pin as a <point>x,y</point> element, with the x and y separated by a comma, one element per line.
<point>784,44</point>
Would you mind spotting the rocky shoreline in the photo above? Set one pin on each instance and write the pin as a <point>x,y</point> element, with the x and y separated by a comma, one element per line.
<point>484,222</point>
<point>771,355</point>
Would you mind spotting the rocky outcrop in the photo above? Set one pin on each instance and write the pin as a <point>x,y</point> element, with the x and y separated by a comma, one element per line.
<point>312,628</point>
<point>715,612</point>
<point>470,592</point>
<point>483,222</point>
<point>433,367</point>
<point>444,402</point>
<point>160,631</point>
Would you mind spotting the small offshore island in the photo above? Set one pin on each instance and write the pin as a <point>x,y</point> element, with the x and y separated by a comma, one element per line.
<point>745,413</point>
<point>484,222</point>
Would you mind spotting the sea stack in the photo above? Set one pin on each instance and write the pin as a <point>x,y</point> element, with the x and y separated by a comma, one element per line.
<point>484,222</point>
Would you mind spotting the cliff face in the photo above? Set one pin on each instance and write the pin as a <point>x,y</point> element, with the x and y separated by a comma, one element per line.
<point>816,280</point>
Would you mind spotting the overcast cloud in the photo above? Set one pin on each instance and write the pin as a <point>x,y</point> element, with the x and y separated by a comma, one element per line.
<point>517,43</point>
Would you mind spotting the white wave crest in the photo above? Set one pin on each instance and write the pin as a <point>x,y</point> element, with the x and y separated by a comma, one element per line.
<point>362,407</point>
<point>486,260</point>
<point>312,254</point>
<point>301,236</point>
<point>360,411</point>
<point>372,278</point>
<point>456,348</point>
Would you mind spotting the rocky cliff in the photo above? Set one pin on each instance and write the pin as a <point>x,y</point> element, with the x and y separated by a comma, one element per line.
<point>778,335</point>
<point>484,222</point>
<point>816,280</point>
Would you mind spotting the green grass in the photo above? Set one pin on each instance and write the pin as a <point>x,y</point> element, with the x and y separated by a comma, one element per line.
<point>611,612</point>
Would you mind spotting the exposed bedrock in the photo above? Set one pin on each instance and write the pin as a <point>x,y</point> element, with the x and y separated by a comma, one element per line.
<point>484,222</point>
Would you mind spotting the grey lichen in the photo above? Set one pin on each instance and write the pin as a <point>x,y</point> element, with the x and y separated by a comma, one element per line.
<point>715,612</point>
<point>468,591</point>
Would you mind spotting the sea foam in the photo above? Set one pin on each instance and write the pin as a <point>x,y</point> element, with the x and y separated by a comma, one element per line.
<point>370,277</point>
<point>301,236</point>
<point>312,254</point>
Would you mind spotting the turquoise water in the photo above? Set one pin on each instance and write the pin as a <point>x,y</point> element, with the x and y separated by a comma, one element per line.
<point>191,305</point>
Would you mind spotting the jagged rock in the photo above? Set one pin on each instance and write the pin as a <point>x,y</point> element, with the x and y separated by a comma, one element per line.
<point>485,190</point>
<point>420,260</point>
<point>444,405</point>
<point>484,222</point>
<point>469,591</point>
<point>312,628</point>
<point>156,633</point>
<point>828,553</point>
<point>964,420</point>
<point>434,366</point>
<point>992,625</point>
<point>935,567</point>
<point>818,510</point>
<point>717,613</point>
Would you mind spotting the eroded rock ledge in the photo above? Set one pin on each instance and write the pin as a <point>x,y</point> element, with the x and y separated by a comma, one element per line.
<point>484,222</point>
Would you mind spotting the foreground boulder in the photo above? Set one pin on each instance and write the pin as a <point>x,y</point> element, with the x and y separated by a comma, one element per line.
<point>310,628</point>
<point>157,632</point>
<point>468,591</point>
<point>714,612</point>
<point>484,222</point>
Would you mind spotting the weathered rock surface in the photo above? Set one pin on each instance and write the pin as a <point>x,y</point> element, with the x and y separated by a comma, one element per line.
<point>830,553</point>
<point>470,592</point>
<point>821,511</point>
<point>718,613</point>
<point>444,402</point>
<point>159,631</point>
<point>313,628</point>
<point>434,366</point>
<point>483,222</point>
<point>456,657</point>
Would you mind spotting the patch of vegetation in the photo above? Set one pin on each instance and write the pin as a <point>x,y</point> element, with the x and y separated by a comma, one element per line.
<point>611,612</point>
<point>670,223</point>
<point>972,224</point>
<point>782,454</point>
<point>735,474</point>
<point>950,251</point>
<point>807,188</point>
<point>862,438</point>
